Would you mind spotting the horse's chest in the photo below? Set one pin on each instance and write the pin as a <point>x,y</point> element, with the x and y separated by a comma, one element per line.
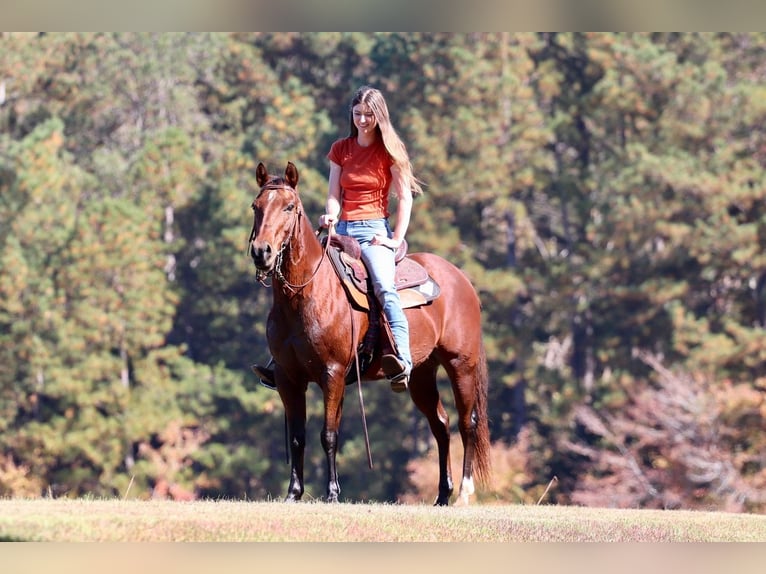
<point>300,349</point>
<point>300,331</point>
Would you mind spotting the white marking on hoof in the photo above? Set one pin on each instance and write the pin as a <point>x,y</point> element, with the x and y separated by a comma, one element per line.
<point>466,490</point>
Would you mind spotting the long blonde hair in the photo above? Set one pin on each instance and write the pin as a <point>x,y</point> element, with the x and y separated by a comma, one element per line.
<point>374,99</point>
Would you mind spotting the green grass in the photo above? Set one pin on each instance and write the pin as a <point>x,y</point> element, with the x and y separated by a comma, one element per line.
<point>64,520</point>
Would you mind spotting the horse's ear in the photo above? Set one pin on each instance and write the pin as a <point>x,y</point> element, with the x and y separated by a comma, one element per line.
<point>291,174</point>
<point>261,174</point>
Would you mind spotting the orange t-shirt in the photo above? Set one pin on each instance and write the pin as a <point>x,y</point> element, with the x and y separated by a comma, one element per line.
<point>364,180</point>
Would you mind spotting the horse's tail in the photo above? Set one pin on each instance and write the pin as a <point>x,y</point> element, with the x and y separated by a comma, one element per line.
<point>482,461</point>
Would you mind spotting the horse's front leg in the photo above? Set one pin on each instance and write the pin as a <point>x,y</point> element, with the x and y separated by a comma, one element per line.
<point>330,445</point>
<point>294,400</point>
<point>297,449</point>
<point>333,400</point>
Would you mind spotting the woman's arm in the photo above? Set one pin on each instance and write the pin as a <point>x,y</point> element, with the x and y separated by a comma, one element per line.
<point>332,206</point>
<point>403,210</point>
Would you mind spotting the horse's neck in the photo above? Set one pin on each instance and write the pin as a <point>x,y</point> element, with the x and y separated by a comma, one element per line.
<point>302,258</point>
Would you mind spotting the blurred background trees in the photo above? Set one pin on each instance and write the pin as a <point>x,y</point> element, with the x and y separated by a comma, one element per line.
<point>603,191</point>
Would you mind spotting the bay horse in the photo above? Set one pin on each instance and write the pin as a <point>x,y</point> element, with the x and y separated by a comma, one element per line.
<point>313,333</point>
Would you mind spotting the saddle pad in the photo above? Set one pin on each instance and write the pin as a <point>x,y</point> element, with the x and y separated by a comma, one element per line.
<point>419,295</point>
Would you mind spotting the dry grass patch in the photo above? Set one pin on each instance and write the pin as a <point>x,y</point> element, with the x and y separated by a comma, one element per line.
<point>232,521</point>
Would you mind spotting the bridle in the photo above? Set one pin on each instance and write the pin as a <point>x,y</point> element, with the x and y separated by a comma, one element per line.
<point>263,276</point>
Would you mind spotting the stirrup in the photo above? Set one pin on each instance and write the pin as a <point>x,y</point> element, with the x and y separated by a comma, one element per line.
<point>265,375</point>
<point>400,384</point>
<point>396,371</point>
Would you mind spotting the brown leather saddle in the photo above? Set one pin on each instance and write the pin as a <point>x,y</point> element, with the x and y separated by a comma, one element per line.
<point>414,285</point>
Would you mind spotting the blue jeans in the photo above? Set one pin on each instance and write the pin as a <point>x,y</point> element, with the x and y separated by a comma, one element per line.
<point>379,260</point>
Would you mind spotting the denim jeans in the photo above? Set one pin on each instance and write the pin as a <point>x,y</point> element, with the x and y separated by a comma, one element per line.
<point>380,265</point>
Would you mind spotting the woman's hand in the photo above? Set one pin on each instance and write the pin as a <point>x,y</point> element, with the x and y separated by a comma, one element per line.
<point>328,220</point>
<point>389,242</point>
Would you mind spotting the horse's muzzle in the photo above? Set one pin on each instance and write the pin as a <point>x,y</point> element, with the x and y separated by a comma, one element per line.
<point>263,255</point>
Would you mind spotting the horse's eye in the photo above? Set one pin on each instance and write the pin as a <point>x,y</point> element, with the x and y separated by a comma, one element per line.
<point>290,207</point>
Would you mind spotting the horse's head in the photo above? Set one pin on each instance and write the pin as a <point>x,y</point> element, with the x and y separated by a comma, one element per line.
<point>275,210</point>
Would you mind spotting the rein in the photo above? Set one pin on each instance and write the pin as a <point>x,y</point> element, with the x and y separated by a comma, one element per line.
<point>278,264</point>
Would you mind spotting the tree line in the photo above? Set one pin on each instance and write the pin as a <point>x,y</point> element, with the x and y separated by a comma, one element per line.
<point>603,191</point>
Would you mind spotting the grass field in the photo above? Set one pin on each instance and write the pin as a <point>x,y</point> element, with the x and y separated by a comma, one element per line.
<point>64,520</point>
<point>121,537</point>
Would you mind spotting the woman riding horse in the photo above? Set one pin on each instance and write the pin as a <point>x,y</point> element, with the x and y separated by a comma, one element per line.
<point>363,168</point>
<point>314,333</point>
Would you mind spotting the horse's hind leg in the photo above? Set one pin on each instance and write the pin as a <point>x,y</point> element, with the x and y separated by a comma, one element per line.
<point>425,395</point>
<point>463,377</point>
<point>465,403</point>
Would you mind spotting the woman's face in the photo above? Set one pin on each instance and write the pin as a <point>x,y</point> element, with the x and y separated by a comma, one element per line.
<point>364,119</point>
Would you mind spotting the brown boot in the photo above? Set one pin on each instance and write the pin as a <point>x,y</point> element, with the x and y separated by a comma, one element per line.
<point>400,384</point>
<point>265,375</point>
<point>396,372</point>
